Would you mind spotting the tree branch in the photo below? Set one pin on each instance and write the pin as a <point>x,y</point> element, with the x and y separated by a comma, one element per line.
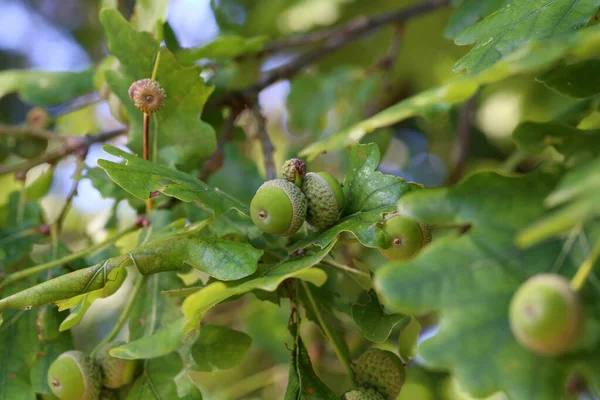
<point>72,145</point>
<point>28,131</point>
<point>463,141</point>
<point>265,141</point>
<point>334,38</point>
<point>215,161</point>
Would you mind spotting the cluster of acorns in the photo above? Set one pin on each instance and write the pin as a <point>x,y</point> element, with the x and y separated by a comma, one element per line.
<point>280,206</point>
<point>76,376</point>
<point>379,375</point>
<point>28,147</point>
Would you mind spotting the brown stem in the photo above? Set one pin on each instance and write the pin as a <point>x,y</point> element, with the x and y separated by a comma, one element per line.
<point>463,140</point>
<point>213,163</point>
<point>265,140</point>
<point>72,144</point>
<point>146,136</point>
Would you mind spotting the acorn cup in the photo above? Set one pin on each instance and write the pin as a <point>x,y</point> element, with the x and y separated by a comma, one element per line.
<point>294,170</point>
<point>74,376</point>
<point>117,372</point>
<point>546,315</point>
<point>278,207</point>
<point>147,95</point>
<point>380,370</point>
<point>325,199</point>
<point>407,237</point>
<point>363,394</point>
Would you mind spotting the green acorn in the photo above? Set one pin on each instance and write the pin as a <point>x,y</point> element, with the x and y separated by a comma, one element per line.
<point>381,370</point>
<point>325,199</point>
<point>407,237</point>
<point>546,315</point>
<point>74,376</point>
<point>363,394</point>
<point>117,372</point>
<point>278,207</point>
<point>294,170</point>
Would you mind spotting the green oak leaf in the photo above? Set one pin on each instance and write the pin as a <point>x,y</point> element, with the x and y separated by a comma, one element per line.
<point>372,320</point>
<point>408,340</point>
<point>158,380</point>
<point>470,280</point>
<point>43,88</point>
<point>158,344</point>
<point>535,137</point>
<point>531,58</point>
<point>202,300</point>
<point>149,15</point>
<point>518,22</point>
<point>579,80</point>
<point>303,383</point>
<point>182,136</point>
<point>222,48</point>
<point>223,259</point>
<point>369,194</point>
<point>219,347</point>
<point>144,179</point>
<point>470,12</point>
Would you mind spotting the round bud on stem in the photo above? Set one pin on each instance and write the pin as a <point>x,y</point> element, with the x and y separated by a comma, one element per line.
<point>278,207</point>
<point>407,237</point>
<point>117,371</point>
<point>325,199</point>
<point>293,170</point>
<point>38,118</point>
<point>546,315</point>
<point>74,376</point>
<point>381,370</point>
<point>147,95</point>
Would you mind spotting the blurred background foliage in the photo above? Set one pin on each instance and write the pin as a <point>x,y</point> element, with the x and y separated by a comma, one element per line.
<point>343,88</point>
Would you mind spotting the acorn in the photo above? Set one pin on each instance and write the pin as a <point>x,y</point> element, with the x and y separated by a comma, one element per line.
<point>117,372</point>
<point>546,315</point>
<point>407,237</point>
<point>38,118</point>
<point>74,376</point>
<point>363,394</point>
<point>294,170</point>
<point>278,207</point>
<point>382,371</point>
<point>325,199</point>
<point>147,95</point>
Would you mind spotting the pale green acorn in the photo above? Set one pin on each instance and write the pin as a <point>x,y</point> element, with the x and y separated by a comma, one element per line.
<point>381,370</point>
<point>75,376</point>
<point>278,207</point>
<point>325,199</point>
<point>117,372</point>
<point>407,237</point>
<point>363,394</point>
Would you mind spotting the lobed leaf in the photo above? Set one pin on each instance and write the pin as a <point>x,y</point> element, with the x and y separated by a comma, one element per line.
<point>372,320</point>
<point>579,80</point>
<point>222,48</point>
<point>218,347</point>
<point>470,12</point>
<point>158,344</point>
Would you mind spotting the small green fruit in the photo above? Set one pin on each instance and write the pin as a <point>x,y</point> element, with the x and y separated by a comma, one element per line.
<point>325,199</point>
<point>546,315</point>
<point>117,372</point>
<point>363,394</point>
<point>407,237</point>
<point>278,207</point>
<point>381,370</point>
<point>294,170</point>
<point>30,147</point>
<point>74,376</point>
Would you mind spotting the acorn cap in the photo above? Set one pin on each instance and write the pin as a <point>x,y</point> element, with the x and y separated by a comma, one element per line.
<point>381,370</point>
<point>294,170</point>
<point>278,207</point>
<point>363,394</point>
<point>147,95</point>
<point>117,372</point>
<point>325,199</point>
<point>74,376</point>
<point>38,118</point>
<point>546,315</point>
<point>407,237</point>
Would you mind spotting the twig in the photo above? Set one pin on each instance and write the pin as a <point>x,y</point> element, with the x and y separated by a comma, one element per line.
<point>254,382</point>
<point>10,130</point>
<point>215,161</point>
<point>386,63</point>
<point>72,144</point>
<point>79,167</point>
<point>463,141</point>
<point>265,140</point>
<point>585,269</point>
<point>335,38</point>
<point>345,268</point>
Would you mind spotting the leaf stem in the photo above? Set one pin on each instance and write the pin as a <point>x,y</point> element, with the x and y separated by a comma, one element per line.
<point>585,269</point>
<point>124,315</point>
<point>156,62</point>
<point>345,362</point>
<point>254,382</point>
<point>17,276</point>
<point>345,268</point>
